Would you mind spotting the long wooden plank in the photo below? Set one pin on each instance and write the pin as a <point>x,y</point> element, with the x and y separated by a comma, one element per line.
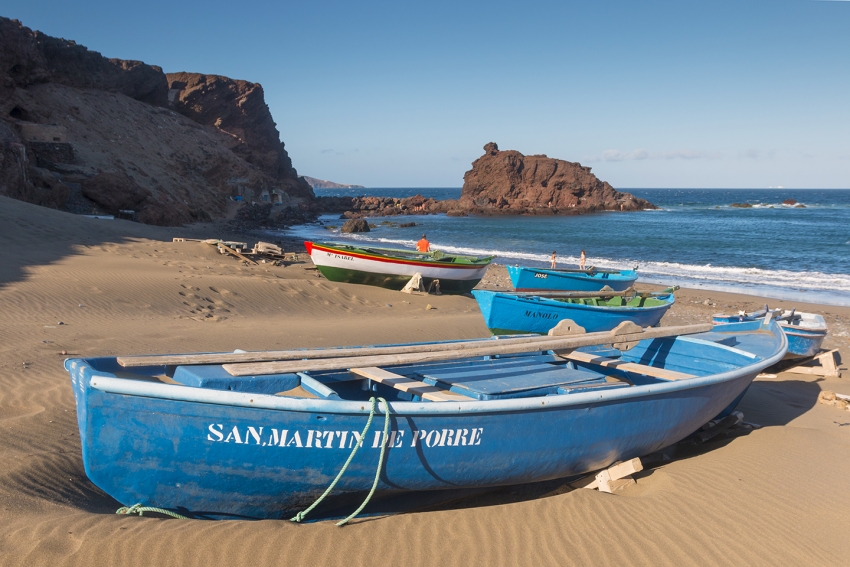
<point>235,253</point>
<point>627,366</point>
<point>494,348</point>
<point>340,352</point>
<point>280,355</point>
<point>410,385</point>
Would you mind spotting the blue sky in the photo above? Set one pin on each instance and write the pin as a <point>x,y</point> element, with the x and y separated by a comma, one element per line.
<point>401,94</point>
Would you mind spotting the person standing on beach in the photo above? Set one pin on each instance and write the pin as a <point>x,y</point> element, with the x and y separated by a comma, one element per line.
<point>553,261</point>
<point>423,245</point>
<point>581,260</point>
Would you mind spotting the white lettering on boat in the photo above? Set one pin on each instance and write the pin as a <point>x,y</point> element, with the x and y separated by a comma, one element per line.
<point>334,439</point>
<point>541,276</point>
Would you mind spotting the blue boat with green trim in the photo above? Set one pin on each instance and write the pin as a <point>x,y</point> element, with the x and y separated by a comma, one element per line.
<point>507,313</point>
<point>264,434</point>
<point>526,278</point>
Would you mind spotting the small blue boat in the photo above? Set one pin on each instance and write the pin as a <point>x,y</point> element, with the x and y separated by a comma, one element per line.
<point>525,278</point>
<point>805,331</point>
<point>508,313</point>
<point>261,435</point>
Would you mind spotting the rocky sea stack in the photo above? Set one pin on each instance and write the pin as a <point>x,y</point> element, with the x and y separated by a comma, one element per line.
<point>508,182</point>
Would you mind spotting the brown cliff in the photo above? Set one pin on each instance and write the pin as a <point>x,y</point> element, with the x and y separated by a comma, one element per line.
<point>508,182</point>
<point>85,133</point>
<point>238,108</point>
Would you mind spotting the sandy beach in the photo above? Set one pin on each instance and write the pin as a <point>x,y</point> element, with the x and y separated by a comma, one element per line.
<point>72,286</point>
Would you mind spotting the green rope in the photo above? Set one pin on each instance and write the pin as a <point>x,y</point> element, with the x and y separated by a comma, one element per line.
<point>380,465</point>
<point>301,515</point>
<point>140,510</point>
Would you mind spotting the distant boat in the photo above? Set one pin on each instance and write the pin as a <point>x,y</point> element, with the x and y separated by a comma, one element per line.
<point>805,331</point>
<point>263,434</point>
<point>393,268</point>
<point>525,278</point>
<point>510,313</point>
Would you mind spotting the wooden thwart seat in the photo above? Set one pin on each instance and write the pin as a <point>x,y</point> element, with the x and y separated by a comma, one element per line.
<point>409,385</point>
<point>627,366</point>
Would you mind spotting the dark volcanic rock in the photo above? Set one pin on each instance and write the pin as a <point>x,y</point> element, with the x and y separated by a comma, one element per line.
<point>69,116</point>
<point>509,182</point>
<point>29,57</point>
<point>789,202</point>
<point>355,225</point>
<point>114,192</point>
<point>239,109</point>
<point>741,205</point>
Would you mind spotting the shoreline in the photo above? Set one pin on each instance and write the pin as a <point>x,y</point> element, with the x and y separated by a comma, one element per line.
<point>78,287</point>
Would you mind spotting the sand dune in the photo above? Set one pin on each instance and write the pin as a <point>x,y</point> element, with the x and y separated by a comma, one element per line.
<point>777,496</point>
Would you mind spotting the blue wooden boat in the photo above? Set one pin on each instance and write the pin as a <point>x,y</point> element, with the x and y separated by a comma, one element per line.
<point>261,435</point>
<point>805,331</point>
<point>508,313</point>
<point>525,278</point>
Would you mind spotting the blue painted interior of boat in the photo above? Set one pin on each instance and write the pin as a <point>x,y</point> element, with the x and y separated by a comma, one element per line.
<point>214,377</point>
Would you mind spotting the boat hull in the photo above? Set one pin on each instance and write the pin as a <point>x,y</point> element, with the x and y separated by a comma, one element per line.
<point>540,279</point>
<point>226,454</point>
<point>506,313</point>
<point>342,265</point>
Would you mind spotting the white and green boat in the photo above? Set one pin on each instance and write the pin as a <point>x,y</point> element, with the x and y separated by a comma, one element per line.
<point>393,268</point>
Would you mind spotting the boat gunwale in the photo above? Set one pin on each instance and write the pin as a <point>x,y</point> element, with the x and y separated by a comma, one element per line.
<point>111,384</point>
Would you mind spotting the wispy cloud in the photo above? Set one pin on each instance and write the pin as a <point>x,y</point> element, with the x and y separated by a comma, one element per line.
<point>640,154</point>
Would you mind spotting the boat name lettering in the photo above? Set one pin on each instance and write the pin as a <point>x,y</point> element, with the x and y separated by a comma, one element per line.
<point>541,276</point>
<point>341,257</point>
<point>539,315</point>
<point>335,439</point>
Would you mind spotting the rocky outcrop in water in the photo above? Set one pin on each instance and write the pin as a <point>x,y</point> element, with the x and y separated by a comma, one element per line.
<point>76,127</point>
<point>508,182</point>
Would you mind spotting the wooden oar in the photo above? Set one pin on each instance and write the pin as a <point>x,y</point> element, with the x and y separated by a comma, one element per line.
<point>276,355</point>
<point>497,347</point>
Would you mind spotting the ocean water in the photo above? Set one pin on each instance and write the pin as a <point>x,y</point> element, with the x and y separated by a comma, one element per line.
<point>695,240</point>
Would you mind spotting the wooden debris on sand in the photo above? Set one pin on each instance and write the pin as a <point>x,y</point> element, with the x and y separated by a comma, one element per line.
<point>264,251</point>
<point>823,364</point>
<point>613,478</point>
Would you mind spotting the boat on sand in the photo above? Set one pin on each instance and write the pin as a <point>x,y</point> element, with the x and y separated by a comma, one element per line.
<point>507,313</point>
<point>393,268</point>
<point>526,278</point>
<point>264,434</point>
<point>805,331</point>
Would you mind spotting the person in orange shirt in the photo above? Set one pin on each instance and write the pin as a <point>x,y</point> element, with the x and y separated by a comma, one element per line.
<point>423,245</point>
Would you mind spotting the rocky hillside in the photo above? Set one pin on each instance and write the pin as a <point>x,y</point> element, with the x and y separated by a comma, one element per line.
<point>85,133</point>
